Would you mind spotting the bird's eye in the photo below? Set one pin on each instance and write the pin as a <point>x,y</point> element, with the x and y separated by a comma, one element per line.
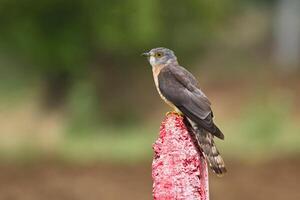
<point>158,55</point>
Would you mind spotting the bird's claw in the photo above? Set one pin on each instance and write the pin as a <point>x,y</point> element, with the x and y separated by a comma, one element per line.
<point>174,113</point>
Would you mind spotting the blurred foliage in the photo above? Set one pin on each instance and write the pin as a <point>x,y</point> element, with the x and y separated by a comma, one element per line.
<point>65,42</point>
<point>263,130</point>
<point>53,35</point>
<point>86,53</point>
<point>259,2</point>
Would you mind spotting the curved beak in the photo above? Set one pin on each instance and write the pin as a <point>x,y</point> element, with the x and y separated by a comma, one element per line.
<point>146,54</point>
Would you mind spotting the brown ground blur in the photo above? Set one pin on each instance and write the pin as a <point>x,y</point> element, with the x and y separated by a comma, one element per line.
<point>275,180</point>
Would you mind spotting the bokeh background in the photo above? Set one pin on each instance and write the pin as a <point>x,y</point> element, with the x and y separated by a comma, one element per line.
<point>79,110</point>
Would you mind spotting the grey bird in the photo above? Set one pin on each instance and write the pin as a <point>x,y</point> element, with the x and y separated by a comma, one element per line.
<point>179,89</point>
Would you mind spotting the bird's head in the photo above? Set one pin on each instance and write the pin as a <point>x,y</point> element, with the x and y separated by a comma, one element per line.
<point>160,56</point>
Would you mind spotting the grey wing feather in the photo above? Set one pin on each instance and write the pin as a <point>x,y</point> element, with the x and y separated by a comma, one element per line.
<point>182,71</point>
<point>180,87</point>
<point>190,82</point>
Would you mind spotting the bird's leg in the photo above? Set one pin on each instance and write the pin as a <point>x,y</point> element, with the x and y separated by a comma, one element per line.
<point>174,112</point>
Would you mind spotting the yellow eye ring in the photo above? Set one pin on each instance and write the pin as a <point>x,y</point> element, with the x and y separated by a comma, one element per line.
<point>158,55</point>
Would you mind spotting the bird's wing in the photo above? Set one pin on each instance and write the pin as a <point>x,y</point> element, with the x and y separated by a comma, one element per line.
<point>180,87</point>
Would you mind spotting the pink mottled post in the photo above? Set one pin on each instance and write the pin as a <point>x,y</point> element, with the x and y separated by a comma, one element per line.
<point>179,170</point>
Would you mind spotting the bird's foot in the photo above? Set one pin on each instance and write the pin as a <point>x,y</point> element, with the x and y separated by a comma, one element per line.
<point>174,113</point>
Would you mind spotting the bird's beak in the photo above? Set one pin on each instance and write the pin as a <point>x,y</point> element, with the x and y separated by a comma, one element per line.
<point>146,54</point>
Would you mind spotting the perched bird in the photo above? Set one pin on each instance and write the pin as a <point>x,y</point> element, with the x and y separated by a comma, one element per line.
<point>179,89</point>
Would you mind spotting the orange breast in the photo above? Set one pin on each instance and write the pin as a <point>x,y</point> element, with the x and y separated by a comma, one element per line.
<point>156,71</point>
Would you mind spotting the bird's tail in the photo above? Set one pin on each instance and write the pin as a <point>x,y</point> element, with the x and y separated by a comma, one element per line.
<point>206,143</point>
<point>210,151</point>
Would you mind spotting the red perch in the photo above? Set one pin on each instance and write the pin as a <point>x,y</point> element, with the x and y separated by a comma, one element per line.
<point>179,170</point>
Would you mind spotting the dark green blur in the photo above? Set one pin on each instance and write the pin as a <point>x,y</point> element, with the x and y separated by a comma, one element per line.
<point>72,79</point>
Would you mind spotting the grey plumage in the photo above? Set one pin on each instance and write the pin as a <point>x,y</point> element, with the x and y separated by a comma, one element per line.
<point>209,149</point>
<point>178,86</point>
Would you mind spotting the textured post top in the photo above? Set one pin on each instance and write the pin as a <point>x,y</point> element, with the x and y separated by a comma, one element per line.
<point>179,170</point>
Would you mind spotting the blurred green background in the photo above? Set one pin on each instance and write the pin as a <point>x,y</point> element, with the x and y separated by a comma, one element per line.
<point>79,109</point>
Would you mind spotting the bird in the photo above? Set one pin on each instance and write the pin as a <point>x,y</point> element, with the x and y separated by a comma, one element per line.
<point>180,90</point>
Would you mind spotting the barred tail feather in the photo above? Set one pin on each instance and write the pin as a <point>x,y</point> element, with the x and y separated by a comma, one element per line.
<point>210,151</point>
<point>207,145</point>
